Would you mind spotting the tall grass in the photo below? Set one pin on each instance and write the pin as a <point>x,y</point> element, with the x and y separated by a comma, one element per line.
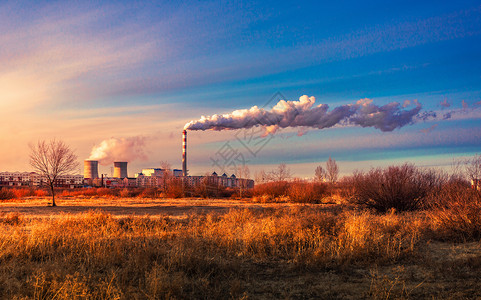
<point>95,255</point>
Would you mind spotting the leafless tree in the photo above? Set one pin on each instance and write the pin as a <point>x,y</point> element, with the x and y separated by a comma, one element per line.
<point>243,174</point>
<point>52,159</point>
<point>473,170</point>
<point>281,173</point>
<point>332,170</point>
<point>457,173</point>
<point>320,174</point>
<point>261,177</point>
<point>167,174</point>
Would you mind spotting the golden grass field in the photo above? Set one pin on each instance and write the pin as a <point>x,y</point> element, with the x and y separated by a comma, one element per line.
<point>129,248</point>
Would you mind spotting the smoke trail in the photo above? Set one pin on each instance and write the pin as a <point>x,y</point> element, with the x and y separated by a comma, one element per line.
<point>118,149</point>
<point>303,113</point>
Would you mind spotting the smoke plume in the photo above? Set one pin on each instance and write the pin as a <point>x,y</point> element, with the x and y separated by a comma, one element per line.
<point>303,113</point>
<point>118,149</point>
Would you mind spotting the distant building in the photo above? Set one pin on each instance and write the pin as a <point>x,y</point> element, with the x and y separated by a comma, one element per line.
<point>32,179</point>
<point>150,177</point>
<point>215,180</point>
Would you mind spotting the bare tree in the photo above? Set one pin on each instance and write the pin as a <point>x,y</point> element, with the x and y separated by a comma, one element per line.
<point>473,170</point>
<point>320,174</point>
<point>332,170</point>
<point>167,174</point>
<point>281,173</point>
<point>52,159</point>
<point>261,176</point>
<point>243,174</point>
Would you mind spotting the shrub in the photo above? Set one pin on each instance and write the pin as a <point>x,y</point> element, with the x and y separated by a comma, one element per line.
<point>6,194</point>
<point>40,193</point>
<point>403,188</point>
<point>127,193</point>
<point>150,193</point>
<point>21,193</point>
<point>273,189</point>
<point>456,213</point>
<point>306,192</point>
<point>174,189</point>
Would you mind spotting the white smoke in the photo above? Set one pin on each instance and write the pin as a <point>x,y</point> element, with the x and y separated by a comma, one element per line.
<point>303,113</point>
<point>118,149</point>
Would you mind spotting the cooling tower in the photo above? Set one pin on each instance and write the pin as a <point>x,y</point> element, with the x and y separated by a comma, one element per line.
<point>120,169</point>
<point>91,169</point>
<point>184,153</point>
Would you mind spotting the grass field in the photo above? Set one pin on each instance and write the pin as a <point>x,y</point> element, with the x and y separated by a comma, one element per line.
<point>114,248</point>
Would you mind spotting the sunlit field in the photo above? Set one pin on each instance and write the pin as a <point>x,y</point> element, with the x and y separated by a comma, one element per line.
<point>138,248</point>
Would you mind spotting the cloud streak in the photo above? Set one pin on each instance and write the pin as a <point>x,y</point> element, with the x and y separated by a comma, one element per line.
<point>303,113</point>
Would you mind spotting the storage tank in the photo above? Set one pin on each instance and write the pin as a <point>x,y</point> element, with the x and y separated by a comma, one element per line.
<point>120,169</point>
<point>91,169</point>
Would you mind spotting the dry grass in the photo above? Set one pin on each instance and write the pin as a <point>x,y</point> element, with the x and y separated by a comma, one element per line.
<point>111,248</point>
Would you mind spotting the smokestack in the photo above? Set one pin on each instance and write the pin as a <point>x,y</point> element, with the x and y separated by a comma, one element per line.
<point>91,169</point>
<point>120,169</point>
<point>184,153</point>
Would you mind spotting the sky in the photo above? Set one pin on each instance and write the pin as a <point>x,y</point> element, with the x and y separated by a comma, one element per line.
<point>133,73</point>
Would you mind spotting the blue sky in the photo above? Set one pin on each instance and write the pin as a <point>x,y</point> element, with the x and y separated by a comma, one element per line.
<point>87,71</point>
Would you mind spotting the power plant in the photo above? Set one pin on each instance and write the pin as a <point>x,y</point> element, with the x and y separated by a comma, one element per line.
<point>91,169</point>
<point>120,169</point>
<point>158,177</point>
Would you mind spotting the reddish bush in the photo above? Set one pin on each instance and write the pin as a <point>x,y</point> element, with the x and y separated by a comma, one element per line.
<point>456,213</point>
<point>174,189</point>
<point>306,192</point>
<point>21,193</point>
<point>403,188</point>
<point>6,194</point>
<point>150,193</point>
<point>272,189</point>
<point>40,193</point>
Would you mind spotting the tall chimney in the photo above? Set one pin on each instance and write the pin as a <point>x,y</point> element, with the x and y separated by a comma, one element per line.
<point>184,153</point>
<point>120,169</point>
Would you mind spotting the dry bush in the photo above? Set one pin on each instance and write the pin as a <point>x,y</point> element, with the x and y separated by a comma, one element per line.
<point>6,194</point>
<point>306,192</point>
<point>90,192</point>
<point>272,189</point>
<point>174,188</point>
<point>18,193</point>
<point>456,213</point>
<point>128,193</point>
<point>40,193</point>
<point>403,188</point>
<point>22,193</point>
<point>149,193</point>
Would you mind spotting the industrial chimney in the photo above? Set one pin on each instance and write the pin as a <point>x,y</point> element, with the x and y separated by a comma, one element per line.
<point>91,169</point>
<point>184,153</point>
<point>120,169</point>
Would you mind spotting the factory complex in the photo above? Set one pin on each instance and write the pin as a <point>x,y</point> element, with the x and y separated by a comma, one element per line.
<point>147,178</point>
<point>157,177</point>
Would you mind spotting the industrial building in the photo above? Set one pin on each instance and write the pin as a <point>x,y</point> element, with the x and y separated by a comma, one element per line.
<point>148,177</point>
